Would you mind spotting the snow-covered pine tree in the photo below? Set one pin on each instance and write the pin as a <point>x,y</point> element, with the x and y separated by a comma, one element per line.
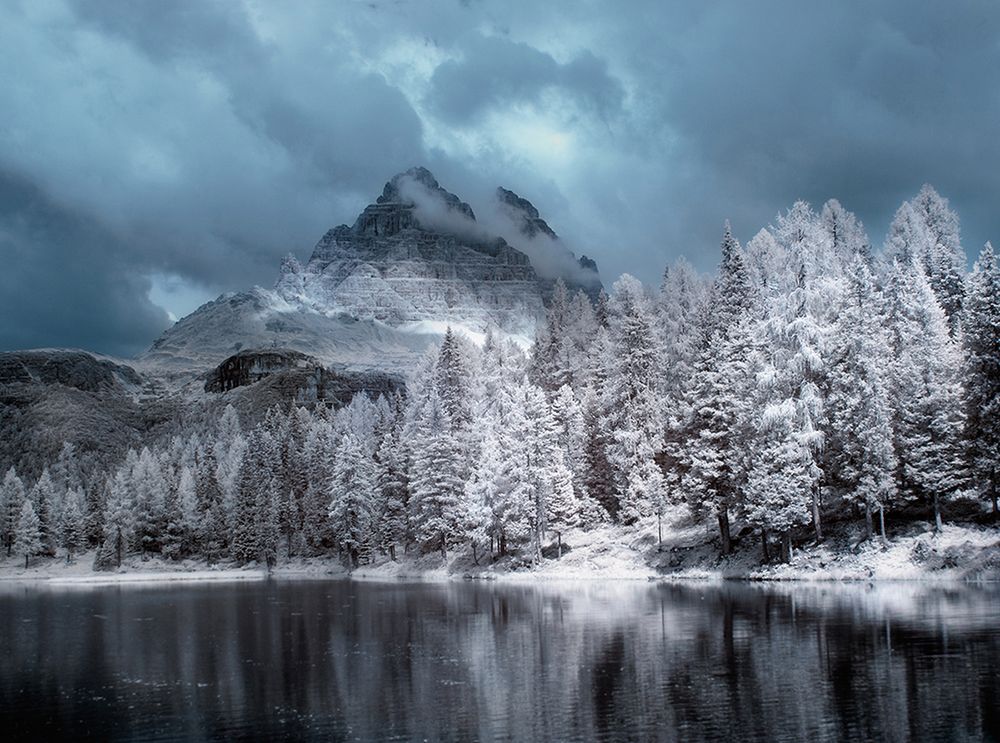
<point>981,337</point>
<point>550,358</point>
<point>859,460</point>
<point>570,434</point>
<point>679,308</point>
<point>438,473</point>
<point>563,507</point>
<point>211,536</point>
<point>945,260</point>
<point>189,515</point>
<point>598,478</point>
<point>12,496</point>
<point>847,235</point>
<point>255,533</point>
<point>780,473</point>
<point>719,394</point>
<point>150,498</point>
<point>72,536</point>
<point>352,496</point>
<point>800,311</point>
<point>42,496</point>
<point>393,496</point>
<point>452,380</point>
<point>229,446</point>
<point>633,406</point>
<point>28,534</point>
<point>118,521</point>
<point>928,413</point>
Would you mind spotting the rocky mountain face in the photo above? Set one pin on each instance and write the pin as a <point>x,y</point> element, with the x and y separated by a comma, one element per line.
<point>415,255</point>
<point>375,294</point>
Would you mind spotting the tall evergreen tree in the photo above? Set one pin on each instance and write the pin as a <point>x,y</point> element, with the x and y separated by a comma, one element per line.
<point>12,496</point>
<point>859,458</point>
<point>634,410</point>
<point>719,393</point>
<point>928,415</point>
<point>28,534</point>
<point>981,336</point>
<point>352,497</point>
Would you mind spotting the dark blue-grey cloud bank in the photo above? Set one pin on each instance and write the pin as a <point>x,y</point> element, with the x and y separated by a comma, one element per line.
<point>155,154</point>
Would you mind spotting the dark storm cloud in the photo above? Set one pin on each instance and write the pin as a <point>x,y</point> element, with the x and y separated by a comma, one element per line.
<point>60,268</point>
<point>496,72</point>
<point>200,141</point>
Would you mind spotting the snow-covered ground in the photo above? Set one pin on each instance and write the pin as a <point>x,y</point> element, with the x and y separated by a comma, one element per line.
<point>689,552</point>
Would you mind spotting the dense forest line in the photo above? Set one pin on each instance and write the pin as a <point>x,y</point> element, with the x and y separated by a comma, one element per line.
<point>810,377</point>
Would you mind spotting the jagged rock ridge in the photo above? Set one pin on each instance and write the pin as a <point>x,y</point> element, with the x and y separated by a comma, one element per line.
<point>552,259</point>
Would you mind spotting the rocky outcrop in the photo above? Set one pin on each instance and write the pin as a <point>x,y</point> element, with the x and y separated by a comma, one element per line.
<point>248,367</point>
<point>77,369</point>
<point>262,378</point>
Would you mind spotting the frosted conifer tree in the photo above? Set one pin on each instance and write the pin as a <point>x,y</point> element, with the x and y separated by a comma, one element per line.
<point>719,394</point>
<point>944,263</point>
<point>634,411</point>
<point>352,496</point>
<point>928,414</point>
<point>118,521</point>
<point>981,336</point>
<point>72,537</point>
<point>437,479</point>
<point>859,457</point>
<point>12,495</point>
<point>28,534</point>
<point>42,497</point>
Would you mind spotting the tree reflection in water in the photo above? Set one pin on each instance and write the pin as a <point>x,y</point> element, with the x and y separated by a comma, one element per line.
<point>462,661</point>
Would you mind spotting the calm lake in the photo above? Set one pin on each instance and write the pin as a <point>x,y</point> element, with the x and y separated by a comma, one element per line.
<point>336,660</point>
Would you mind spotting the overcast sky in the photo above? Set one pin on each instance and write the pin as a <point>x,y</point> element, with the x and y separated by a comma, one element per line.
<point>155,154</point>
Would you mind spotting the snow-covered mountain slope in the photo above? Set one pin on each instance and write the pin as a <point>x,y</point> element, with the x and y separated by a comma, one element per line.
<point>376,294</point>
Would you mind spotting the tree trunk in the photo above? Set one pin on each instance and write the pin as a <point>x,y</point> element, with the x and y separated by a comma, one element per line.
<point>881,522</point>
<point>727,544</point>
<point>503,544</point>
<point>937,514</point>
<point>354,557</point>
<point>996,512</point>
<point>475,555</point>
<point>868,520</point>
<point>392,551</point>
<point>659,531</point>
<point>815,509</point>
<point>786,547</point>
<point>444,549</point>
<point>559,540</point>
<point>763,543</point>
<point>25,560</point>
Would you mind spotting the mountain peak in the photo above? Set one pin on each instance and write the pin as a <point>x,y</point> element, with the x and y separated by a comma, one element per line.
<point>412,199</point>
<point>414,186</point>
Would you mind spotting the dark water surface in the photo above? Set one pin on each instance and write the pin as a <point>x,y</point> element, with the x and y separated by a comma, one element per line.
<point>333,660</point>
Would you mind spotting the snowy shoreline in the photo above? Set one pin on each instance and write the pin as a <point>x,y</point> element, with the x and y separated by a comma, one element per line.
<point>960,554</point>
